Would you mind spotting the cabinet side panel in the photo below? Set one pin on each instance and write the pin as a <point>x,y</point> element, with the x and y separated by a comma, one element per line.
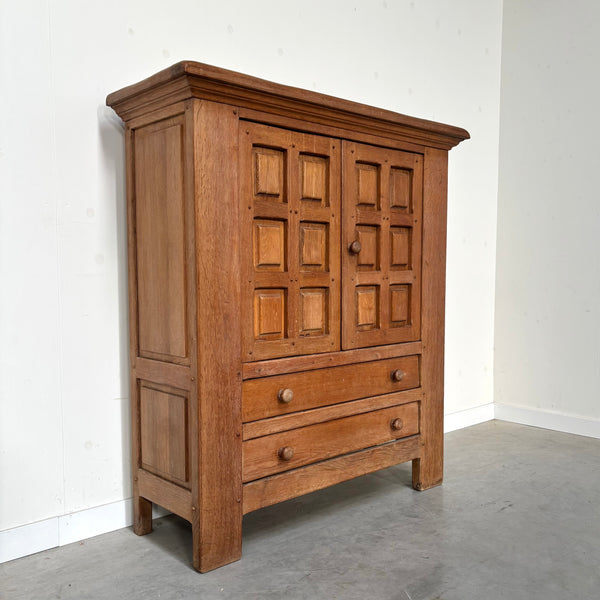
<point>160,241</point>
<point>217,518</point>
<point>428,469</point>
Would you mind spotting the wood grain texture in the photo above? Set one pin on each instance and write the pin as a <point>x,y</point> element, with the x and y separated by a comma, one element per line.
<point>277,488</point>
<point>164,432</point>
<point>381,298</point>
<point>160,238</point>
<point>244,197</point>
<point>262,457</point>
<point>290,207</point>
<point>217,522</point>
<point>142,507</point>
<point>319,415</point>
<point>177,376</point>
<point>321,387</point>
<point>428,469</point>
<point>294,364</point>
<point>164,493</point>
<point>191,79</point>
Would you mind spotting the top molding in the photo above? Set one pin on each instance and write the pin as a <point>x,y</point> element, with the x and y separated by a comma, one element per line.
<point>187,79</point>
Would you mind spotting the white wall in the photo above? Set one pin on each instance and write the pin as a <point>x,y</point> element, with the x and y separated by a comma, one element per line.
<point>547,357</point>
<point>63,324</point>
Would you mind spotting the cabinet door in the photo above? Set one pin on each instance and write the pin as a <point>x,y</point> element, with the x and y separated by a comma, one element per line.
<point>381,245</point>
<point>290,195</point>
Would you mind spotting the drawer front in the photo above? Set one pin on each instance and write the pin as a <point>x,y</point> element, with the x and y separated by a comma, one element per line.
<point>283,394</point>
<point>290,449</point>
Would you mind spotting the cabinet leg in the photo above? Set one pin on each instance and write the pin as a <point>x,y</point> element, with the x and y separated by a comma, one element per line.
<point>427,471</point>
<point>142,515</point>
<point>213,547</point>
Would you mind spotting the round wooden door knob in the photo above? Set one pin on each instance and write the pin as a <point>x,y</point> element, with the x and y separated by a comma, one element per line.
<point>285,453</point>
<point>397,424</point>
<point>285,395</point>
<point>397,375</point>
<point>355,247</point>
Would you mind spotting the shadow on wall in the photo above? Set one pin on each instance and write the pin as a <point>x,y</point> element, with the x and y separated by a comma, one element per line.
<point>112,140</point>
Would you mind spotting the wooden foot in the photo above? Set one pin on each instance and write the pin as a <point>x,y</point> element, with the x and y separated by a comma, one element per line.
<point>427,473</point>
<point>142,515</point>
<point>222,550</point>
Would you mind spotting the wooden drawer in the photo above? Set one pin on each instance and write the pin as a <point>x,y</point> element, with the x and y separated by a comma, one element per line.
<point>289,449</point>
<point>262,398</point>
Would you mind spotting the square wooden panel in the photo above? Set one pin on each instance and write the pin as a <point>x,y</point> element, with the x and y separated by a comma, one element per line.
<point>400,305</point>
<point>269,173</point>
<point>164,434</point>
<point>314,246</point>
<point>401,189</point>
<point>400,248</point>
<point>314,180</point>
<point>367,185</point>
<point>368,257</point>
<point>314,305</point>
<point>269,245</point>
<point>269,314</point>
<point>367,307</point>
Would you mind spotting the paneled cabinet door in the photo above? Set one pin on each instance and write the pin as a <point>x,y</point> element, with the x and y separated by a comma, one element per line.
<point>290,203</point>
<point>381,245</point>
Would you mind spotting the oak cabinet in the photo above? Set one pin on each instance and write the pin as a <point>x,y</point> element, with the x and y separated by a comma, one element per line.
<point>286,258</point>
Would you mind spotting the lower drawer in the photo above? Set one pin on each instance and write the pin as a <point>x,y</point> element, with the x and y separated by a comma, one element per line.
<point>289,449</point>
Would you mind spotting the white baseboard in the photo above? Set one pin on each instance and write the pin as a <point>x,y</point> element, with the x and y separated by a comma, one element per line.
<point>548,420</point>
<point>66,529</point>
<point>466,418</point>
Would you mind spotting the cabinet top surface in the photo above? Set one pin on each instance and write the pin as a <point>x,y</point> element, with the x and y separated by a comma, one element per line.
<point>189,79</point>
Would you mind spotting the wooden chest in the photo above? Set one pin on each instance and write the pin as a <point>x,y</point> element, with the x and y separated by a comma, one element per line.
<point>286,285</point>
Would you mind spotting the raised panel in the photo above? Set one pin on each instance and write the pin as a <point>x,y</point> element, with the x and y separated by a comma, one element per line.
<point>269,173</point>
<point>269,245</point>
<point>400,305</point>
<point>164,434</point>
<point>368,257</point>
<point>160,242</point>
<point>313,173</point>
<point>400,247</point>
<point>367,307</point>
<point>314,308</point>
<point>269,314</point>
<point>314,246</point>
<point>367,185</point>
<point>401,189</point>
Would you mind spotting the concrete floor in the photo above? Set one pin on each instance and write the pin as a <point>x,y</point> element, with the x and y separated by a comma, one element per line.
<point>518,517</point>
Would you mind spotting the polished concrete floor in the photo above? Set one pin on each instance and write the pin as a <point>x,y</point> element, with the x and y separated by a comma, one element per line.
<point>518,517</point>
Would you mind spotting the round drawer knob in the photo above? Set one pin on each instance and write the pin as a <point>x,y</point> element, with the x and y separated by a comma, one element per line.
<point>397,375</point>
<point>285,395</point>
<point>285,453</point>
<point>397,424</point>
<point>355,247</point>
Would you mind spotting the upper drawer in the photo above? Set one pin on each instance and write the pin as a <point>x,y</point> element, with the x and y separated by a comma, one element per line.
<point>281,394</point>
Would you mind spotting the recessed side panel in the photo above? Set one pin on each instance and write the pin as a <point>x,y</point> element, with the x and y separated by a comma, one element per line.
<point>164,421</point>
<point>160,241</point>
